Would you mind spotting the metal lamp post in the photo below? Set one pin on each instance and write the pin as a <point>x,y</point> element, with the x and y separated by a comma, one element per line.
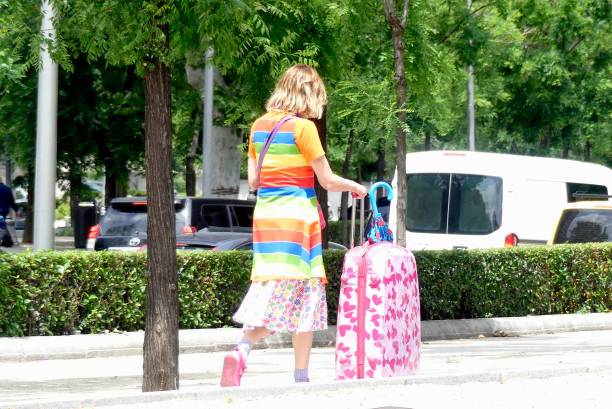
<point>46,138</point>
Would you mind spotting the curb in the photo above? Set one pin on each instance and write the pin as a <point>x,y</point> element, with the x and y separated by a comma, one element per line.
<point>224,339</point>
<point>514,326</point>
<point>205,395</point>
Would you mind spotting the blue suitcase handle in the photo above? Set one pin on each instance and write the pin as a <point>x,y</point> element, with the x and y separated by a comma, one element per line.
<point>373,194</point>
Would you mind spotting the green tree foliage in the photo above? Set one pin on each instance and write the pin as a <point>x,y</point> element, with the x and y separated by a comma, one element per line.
<point>564,78</point>
<point>145,34</point>
<point>186,128</point>
<point>100,107</point>
<point>481,37</point>
<point>100,119</point>
<point>542,69</point>
<point>255,42</point>
<point>17,139</point>
<point>544,79</point>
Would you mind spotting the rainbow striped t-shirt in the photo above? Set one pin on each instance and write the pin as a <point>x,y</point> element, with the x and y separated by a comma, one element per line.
<point>286,227</point>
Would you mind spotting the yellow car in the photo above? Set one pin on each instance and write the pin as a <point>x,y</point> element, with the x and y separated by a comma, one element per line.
<point>584,222</point>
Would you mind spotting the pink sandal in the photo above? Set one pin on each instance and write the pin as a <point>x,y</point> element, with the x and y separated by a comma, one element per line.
<point>233,368</point>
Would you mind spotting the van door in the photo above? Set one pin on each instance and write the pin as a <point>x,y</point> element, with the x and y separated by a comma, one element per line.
<point>539,204</point>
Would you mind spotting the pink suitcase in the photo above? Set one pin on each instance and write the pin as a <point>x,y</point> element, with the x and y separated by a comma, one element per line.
<point>379,318</point>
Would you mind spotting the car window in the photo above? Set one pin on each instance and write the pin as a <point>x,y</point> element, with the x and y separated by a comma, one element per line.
<point>195,214</point>
<point>131,220</point>
<point>584,226</point>
<point>194,248</point>
<point>242,216</point>
<point>248,246</point>
<point>215,215</point>
<point>474,205</point>
<point>583,188</point>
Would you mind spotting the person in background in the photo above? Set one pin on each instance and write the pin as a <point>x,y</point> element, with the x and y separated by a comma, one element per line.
<point>287,292</point>
<point>7,202</point>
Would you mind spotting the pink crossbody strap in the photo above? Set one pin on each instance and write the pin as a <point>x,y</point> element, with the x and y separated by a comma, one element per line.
<point>263,151</point>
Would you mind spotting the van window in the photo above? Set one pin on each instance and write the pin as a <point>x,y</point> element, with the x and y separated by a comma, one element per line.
<point>216,215</point>
<point>583,226</point>
<point>578,188</point>
<point>427,202</point>
<point>474,205</point>
<point>243,216</point>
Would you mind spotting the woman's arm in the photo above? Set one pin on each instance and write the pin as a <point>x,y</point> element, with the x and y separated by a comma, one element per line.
<point>330,181</point>
<point>252,174</point>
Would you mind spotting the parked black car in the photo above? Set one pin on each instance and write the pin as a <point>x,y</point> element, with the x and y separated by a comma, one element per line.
<point>220,241</point>
<point>124,226</point>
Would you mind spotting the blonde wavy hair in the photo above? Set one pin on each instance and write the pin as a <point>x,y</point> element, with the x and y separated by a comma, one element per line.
<point>300,90</point>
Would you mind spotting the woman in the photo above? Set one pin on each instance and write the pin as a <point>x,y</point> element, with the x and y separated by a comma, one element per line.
<point>287,291</point>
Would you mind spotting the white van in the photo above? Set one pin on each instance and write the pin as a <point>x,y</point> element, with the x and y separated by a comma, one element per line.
<point>461,199</point>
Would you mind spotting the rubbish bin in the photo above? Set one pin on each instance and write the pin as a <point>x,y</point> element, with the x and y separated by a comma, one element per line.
<point>86,216</point>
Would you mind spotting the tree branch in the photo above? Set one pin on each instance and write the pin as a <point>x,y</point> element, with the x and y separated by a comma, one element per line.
<point>458,25</point>
<point>575,44</point>
<point>529,30</point>
<point>405,13</point>
<point>389,6</point>
<point>389,9</point>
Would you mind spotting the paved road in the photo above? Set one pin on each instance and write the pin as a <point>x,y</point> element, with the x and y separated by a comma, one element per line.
<point>452,371</point>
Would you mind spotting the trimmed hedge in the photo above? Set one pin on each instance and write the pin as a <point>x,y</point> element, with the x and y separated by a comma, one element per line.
<point>562,279</point>
<point>50,292</point>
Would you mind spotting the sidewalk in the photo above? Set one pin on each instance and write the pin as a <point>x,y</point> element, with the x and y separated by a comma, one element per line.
<point>60,243</point>
<point>103,370</point>
<point>224,339</point>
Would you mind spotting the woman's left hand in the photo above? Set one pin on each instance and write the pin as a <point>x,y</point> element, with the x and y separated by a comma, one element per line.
<point>360,191</point>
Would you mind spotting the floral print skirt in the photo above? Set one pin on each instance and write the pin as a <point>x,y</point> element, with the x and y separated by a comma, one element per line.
<point>284,306</point>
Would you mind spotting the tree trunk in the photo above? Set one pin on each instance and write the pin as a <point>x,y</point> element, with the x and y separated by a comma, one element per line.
<point>190,176</point>
<point>113,187</point>
<point>565,132</point>
<point>397,33</point>
<point>427,145</point>
<point>76,187</point>
<point>28,229</point>
<point>545,138</point>
<point>566,152</point>
<point>344,197</point>
<point>513,148</point>
<point>320,192</point>
<point>587,150</point>
<point>160,367</point>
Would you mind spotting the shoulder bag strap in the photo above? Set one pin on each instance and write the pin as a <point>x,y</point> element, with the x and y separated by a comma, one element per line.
<point>268,142</point>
